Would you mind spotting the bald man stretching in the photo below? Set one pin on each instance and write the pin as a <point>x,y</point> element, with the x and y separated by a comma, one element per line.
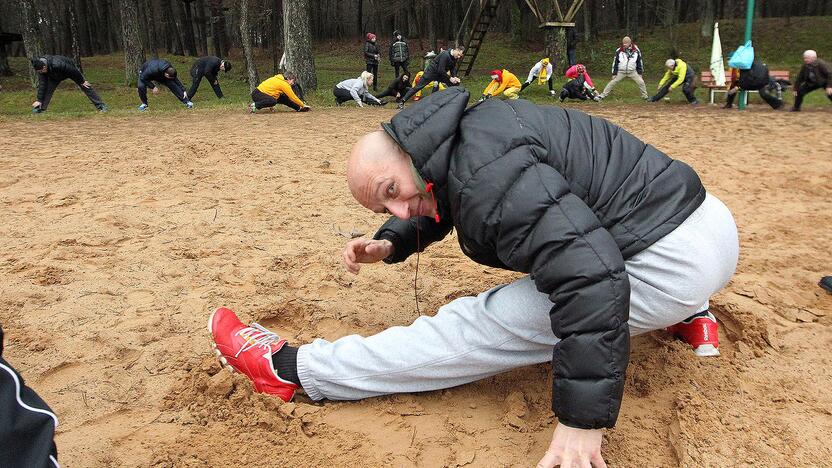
<point>617,239</point>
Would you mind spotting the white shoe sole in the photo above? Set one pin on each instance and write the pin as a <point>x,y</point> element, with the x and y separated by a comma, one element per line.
<point>706,350</point>
<point>223,362</point>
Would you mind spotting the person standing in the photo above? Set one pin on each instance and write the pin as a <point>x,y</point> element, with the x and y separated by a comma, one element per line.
<point>755,78</point>
<point>571,46</point>
<point>52,69</point>
<point>162,72</point>
<point>371,56</point>
<point>209,68</point>
<point>502,82</point>
<point>542,71</point>
<point>627,63</point>
<point>277,90</point>
<point>815,74</point>
<point>399,54</point>
<point>440,70</point>
<point>357,89</point>
<point>678,74</point>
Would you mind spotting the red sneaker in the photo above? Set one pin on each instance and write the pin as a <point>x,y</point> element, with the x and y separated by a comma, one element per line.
<point>700,331</point>
<point>248,350</point>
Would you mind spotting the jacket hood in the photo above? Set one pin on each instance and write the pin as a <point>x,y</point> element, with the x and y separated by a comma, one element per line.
<point>427,128</point>
<point>397,33</point>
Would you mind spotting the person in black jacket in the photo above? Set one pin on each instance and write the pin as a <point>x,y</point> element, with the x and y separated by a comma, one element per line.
<point>162,72</point>
<point>399,54</point>
<point>371,57</point>
<point>616,239</point>
<point>441,69</point>
<point>571,45</point>
<point>755,78</point>
<point>52,69</point>
<point>814,74</point>
<point>398,88</point>
<point>208,67</point>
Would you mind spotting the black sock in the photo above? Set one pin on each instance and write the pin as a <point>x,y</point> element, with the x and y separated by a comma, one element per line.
<point>285,362</point>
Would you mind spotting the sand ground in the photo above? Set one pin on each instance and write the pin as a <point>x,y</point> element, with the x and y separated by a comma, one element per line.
<point>119,236</point>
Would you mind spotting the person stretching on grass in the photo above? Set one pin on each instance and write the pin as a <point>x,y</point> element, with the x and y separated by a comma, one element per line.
<point>356,89</point>
<point>678,74</point>
<point>440,70</point>
<point>617,239</point>
<point>209,68</point>
<point>162,72</point>
<point>277,90</point>
<point>52,69</point>
<point>542,72</point>
<point>502,82</point>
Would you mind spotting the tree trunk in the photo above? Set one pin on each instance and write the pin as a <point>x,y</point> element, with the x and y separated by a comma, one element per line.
<point>297,43</point>
<point>218,28</point>
<point>31,34</point>
<point>73,28</point>
<point>188,28</point>
<point>360,18</point>
<point>248,50</point>
<point>5,69</point>
<point>706,9</point>
<point>431,25</point>
<point>174,38</point>
<point>554,47</point>
<point>277,21</point>
<point>201,33</point>
<point>131,38</point>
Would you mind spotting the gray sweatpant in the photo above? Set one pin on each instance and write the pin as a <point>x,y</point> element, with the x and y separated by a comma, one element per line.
<point>508,326</point>
<point>620,76</point>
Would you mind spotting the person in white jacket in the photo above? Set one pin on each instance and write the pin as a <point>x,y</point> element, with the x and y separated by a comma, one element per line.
<point>356,89</point>
<point>627,64</point>
<point>541,71</point>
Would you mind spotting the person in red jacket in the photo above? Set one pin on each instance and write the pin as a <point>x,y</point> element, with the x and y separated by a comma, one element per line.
<point>580,85</point>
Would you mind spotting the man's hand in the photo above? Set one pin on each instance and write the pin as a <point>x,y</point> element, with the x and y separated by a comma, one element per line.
<point>613,77</point>
<point>86,84</point>
<point>36,104</point>
<point>454,80</point>
<point>156,90</point>
<point>398,95</point>
<point>672,87</point>
<point>573,447</point>
<point>365,251</point>
<point>829,91</point>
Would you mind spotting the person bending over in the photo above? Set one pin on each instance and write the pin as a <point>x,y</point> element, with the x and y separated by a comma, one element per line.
<point>52,69</point>
<point>579,86</point>
<point>277,90</point>
<point>503,82</point>
<point>356,89</point>
<point>209,68</point>
<point>542,72</point>
<point>755,78</point>
<point>616,238</point>
<point>678,74</point>
<point>814,74</point>
<point>398,88</point>
<point>162,72</point>
<point>441,69</point>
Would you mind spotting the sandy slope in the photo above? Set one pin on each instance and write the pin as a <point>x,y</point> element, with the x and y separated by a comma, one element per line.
<point>120,235</point>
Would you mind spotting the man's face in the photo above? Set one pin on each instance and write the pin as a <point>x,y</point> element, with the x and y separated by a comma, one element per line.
<point>381,178</point>
<point>170,77</point>
<point>222,66</point>
<point>291,81</point>
<point>42,70</point>
<point>626,42</point>
<point>456,53</point>
<point>405,78</point>
<point>809,59</point>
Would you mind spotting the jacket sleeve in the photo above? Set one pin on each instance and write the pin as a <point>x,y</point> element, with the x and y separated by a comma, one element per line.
<point>665,78</point>
<point>639,63</point>
<point>402,233</point>
<point>42,86</point>
<point>615,63</point>
<point>682,70</point>
<point>550,233</point>
<point>290,93</point>
<point>73,73</point>
<point>367,55</point>
<point>826,73</point>
<point>390,53</point>
<point>489,90</point>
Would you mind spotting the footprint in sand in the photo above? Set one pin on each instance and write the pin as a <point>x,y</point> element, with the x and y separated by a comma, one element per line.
<point>140,299</point>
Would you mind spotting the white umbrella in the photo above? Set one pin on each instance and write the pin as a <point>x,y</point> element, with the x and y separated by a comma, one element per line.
<point>717,66</point>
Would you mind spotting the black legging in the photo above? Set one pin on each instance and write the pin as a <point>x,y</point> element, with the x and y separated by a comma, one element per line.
<point>574,89</point>
<point>51,85</point>
<point>174,85</point>
<point>373,68</point>
<point>197,76</point>
<point>548,82</point>
<point>768,98</point>
<point>403,66</point>
<point>805,89</point>
<point>687,88</point>
<point>263,100</point>
<point>390,92</point>
<point>424,81</point>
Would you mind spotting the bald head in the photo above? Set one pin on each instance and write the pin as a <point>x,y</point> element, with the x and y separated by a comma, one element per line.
<point>810,56</point>
<point>626,41</point>
<point>381,177</point>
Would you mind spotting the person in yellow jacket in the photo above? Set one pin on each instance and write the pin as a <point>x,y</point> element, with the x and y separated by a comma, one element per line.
<point>678,74</point>
<point>502,82</point>
<point>277,90</point>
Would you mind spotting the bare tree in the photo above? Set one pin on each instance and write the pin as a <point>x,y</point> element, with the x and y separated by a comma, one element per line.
<point>32,40</point>
<point>297,42</point>
<point>133,48</point>
<point>248,50</point>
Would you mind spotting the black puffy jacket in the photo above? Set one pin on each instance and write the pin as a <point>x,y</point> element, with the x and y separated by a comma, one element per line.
<point>560,195</point>
<point>58,68</point>
<point>208,66</point>
<point>371,52</point>
<point>755,77</point>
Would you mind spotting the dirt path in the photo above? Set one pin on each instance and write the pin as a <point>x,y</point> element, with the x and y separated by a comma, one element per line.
<point>120,235</point>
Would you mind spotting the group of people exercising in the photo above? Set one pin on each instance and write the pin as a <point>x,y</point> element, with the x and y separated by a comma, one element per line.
<point>439,72</point>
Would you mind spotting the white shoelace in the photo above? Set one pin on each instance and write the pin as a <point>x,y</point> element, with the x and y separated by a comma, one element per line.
<point>256,335</point>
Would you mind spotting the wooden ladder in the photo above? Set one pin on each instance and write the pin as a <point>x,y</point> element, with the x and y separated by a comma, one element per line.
<point>487,13</point>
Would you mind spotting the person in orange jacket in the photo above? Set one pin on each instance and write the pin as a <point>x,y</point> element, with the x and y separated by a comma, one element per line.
<point>502,82</point>
<point>277,90</point>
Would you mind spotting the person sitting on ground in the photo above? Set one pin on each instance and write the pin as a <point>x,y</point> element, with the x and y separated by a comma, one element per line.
<point>579,86</point>
<point>755,78</point>
<point>356,89</point>
<point>399,54</point>
<point>162,72</point>
<point>397,88</point>
<point>640,248</point>
<point>208,67</point>
<point>440,70</point>
<point>678,74</point>
<point>814,74</point>
<point>627,63</point>
<point>371,56</point>
<point>277,90</point>
<point>502,82</point>
<point>52,69</point>
<point>542,72</point>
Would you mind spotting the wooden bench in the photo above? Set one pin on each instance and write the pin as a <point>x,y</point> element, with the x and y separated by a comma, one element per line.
<point>707,81</point>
